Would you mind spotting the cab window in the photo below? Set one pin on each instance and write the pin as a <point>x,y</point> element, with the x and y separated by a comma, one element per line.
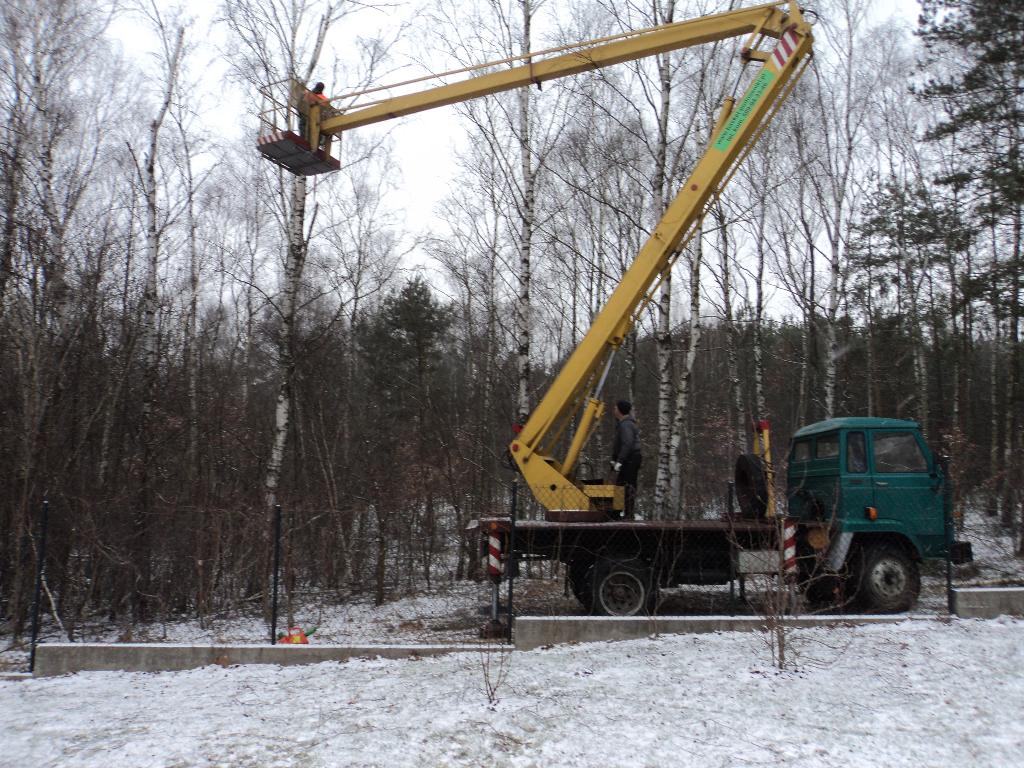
<point>801,451</point>
<point>898,452</point>
<point>856,458</point>
<point>827,447</point>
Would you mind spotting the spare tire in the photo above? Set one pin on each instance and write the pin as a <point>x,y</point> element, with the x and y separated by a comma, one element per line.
<point>751,486</point>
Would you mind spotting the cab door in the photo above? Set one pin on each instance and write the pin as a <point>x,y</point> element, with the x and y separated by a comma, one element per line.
<point>908,492</point>
<point>857,485</point>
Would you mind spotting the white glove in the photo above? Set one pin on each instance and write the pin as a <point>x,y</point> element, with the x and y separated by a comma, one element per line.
<point>616,466</point>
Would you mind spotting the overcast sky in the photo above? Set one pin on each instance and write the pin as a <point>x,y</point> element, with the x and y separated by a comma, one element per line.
<point>424,144</point>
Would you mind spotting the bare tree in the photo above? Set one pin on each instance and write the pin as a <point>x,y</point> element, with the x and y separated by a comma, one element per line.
<point>281,40</point>
<point>49,148</point>
<point>170,33</point>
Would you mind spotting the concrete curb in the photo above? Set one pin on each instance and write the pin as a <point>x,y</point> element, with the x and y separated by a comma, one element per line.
<point>530,632</point>
<point>537,632</point>
<point>66,658</point>
<point>988,602</point>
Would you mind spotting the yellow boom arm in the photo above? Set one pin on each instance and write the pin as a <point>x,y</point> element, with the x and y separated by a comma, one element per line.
<point>575,393</point>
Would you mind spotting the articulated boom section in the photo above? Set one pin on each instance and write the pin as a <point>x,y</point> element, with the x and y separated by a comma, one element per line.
<point>570,397</point>
<point>575,394</point>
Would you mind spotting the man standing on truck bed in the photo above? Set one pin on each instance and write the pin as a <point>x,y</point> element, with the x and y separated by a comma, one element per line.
<point>626,455</point>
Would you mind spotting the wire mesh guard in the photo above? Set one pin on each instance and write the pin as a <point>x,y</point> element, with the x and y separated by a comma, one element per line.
<point>282,128</point>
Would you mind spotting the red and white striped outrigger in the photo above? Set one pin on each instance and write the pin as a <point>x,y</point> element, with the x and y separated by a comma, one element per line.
<point>495,568</point>
<point>494,556</point>
<point>789,551</point>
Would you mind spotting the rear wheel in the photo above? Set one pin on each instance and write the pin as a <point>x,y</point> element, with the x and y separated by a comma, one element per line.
<point>888,579</point>
<point>623,588</point>
<point>581,580</point>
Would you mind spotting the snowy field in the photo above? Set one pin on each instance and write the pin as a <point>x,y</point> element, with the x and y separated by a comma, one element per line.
<point>913,694</point>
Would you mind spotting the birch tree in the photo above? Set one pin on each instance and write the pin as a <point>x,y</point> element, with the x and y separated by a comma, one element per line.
<point>844,85</point>
<point>520,128</point>
<point>170,33</point>
<point>279,40</point>
<point>49,148</point>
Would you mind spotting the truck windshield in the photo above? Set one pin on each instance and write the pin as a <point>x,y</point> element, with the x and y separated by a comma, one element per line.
<point>898,452</point>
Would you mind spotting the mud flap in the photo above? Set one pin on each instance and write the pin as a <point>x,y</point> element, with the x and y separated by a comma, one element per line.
<point>838,551</point>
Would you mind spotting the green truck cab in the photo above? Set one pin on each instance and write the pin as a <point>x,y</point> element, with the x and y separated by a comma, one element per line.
<point>885,497</point>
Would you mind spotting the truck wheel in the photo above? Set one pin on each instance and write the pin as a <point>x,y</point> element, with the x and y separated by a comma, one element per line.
<point>581,582</point>
<point>751,486</point>
<point>888,579</point>
<point>623,588</point>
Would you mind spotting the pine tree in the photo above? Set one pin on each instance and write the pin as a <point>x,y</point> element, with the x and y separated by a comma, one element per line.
<point>982,95</point>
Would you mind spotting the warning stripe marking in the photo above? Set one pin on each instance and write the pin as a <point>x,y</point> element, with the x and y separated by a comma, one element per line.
<point>790,547</point>
<point>494,555</point>
<point>786,47</point>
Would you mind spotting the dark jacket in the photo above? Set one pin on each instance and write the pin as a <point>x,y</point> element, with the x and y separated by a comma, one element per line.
<point>627,439</point>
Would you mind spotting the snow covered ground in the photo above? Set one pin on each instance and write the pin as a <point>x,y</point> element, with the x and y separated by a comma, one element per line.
<point>913,694</point>
<point>921,693</point>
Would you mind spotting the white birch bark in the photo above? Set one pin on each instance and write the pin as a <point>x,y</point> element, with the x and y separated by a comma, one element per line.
<point>1010,484</point>
<point>809,341</point>
<point>191,347</point>
<point>173,52</point>
<point>526,225</point>
<point>737,428</point>
<point>676,498</point>
<point>760,236</point>
<point>663,335</point>
<point>831,330</point>
<point>272,34</point>
<point>995,453</point>
<point>150,299</point>
<point>870,341</point>
<point>844,94</point>
<point>294,264</point>
<point>664,340</point>
<point>920,353</point>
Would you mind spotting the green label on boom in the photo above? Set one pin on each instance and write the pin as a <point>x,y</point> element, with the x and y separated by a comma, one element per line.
<point>742,112</point>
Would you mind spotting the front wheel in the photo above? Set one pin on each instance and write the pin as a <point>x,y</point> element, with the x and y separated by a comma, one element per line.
<point>623,588</point>
<point>888,579</point>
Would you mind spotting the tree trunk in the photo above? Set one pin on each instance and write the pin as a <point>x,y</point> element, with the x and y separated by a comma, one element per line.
<point>526,224</point>
<point>676,498</point>
<point>736,428</point>
<point>150,343</point>
<point>294,264</point>
<point>663,337</point>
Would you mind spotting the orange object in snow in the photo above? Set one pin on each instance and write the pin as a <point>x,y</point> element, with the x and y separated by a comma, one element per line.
<point>294,636</point>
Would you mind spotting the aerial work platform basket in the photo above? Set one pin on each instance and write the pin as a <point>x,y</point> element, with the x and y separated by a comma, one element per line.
<point>293,153</point>
<point>284,121</point>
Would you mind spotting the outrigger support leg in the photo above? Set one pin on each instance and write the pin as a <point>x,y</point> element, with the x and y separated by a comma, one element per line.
<point>494,628</point>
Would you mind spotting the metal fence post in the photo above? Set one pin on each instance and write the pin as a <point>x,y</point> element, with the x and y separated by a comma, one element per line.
<point>512,564</point>
<point>277,568</point>
<point>730,515</point>
<point>947,514</point>
<point>950,608</point>
<point>44,517</point>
